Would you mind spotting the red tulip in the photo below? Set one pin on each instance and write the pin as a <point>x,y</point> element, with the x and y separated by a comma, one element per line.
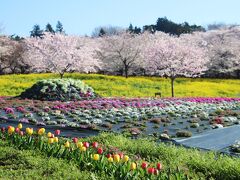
<point>57,132</point>
<point>3,129</point>
<point>144,165</point>
<point>151,170</point>
<point>86,144</point>
<point>155,171</point>
<point>95,144</point>
<point>100,151</point>
<point>159,166</point>
<point>75,140</point>
<point>121,155</point>
<point>109,155</point>
<point>52,135</point>
<point>17,130</point>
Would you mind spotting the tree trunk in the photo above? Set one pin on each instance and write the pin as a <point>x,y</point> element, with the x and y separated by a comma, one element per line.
<point>172,86</point>
<point>61,75</point>
<point>126,72</point>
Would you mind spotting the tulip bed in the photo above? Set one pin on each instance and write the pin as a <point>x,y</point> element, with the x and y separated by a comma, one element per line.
<point>89,156</point>
<point>110,156</point>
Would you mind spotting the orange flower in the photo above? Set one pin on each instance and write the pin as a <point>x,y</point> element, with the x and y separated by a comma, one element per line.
<point>41,131</point>
<point>11,129</point>
<point>116,158</point>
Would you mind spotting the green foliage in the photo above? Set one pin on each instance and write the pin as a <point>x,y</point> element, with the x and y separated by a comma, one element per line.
<point>49,28</point>
<point>59,27</point>
<point>168,26</point>
<point>115,86</point>
<point>178,162</point>
<point>196,164</point>
<point>36,32</point>
<point>59,89</point>
<point>29,164</point>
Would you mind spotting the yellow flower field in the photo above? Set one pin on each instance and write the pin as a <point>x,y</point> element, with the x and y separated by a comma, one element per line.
<point>116,86</point>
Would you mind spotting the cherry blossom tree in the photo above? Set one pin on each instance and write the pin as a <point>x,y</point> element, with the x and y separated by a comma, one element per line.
<point>173,57</point>
<point>61,53</point>
<point>11,56</point>
<point>120,52</point>
<point>223,50</point>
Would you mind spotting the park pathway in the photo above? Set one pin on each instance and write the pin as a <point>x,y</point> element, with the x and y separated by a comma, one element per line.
<point>216,139</point>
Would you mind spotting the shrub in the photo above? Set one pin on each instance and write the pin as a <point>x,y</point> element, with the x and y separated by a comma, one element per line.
<point>59,89</point>
<point>182,133</point>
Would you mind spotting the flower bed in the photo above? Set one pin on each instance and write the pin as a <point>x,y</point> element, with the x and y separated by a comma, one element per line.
<point>161,117</point>
<point>89,155</point>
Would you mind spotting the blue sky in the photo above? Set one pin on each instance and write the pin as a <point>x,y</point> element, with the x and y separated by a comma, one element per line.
<point>82,16</point>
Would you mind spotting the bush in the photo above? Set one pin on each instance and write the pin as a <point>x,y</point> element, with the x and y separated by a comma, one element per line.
<point>59,90</point>
<point>183,133</point>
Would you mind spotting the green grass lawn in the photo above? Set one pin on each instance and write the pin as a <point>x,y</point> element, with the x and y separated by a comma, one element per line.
<point>115,86</point>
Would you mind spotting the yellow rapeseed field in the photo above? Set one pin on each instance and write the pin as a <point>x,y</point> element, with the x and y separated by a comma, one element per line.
<point>115,86</point>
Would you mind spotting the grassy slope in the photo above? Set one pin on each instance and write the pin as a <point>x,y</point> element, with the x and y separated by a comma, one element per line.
<point>196,163</point>
<point>29,164</point>
<point>109,86</point>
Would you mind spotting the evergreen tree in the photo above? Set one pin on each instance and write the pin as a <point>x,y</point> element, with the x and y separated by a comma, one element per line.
<point>16,37</point>
<point>49,28</point>
<point>36,32</point>
<point>101,32</point>
<point>137,30</point>
<point>59,27</point>
<point>150,28</point>
<point>130,28</point>
<point>167,26</point>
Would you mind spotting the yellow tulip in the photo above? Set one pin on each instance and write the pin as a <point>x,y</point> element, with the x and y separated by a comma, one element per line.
<point>79,144</point>
<point>41,131</point>
<point>133,166</point>
<point>11,129</point>
<point>125,158</point>
<point>67,144</point>
<point>116,158</point>
<point>20,125</point>
<point>55,139</point>
<point>96,157</point>
<point>49,134</point>
<point>50,140</point>
<point>83,149</point>
<point>29,131</point>
<point>110,159</point>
